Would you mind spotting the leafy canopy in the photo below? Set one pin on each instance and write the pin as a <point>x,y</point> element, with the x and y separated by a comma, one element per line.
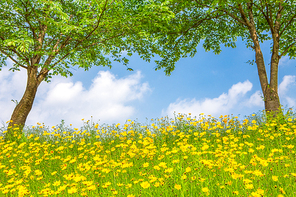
<point>63,33</point>
<point>221,22</point>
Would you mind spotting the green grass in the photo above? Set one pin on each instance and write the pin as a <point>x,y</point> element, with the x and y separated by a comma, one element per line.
<point>184,156</point>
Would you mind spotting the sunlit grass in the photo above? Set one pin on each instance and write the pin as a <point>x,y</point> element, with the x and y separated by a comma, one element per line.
<point>183,156</point>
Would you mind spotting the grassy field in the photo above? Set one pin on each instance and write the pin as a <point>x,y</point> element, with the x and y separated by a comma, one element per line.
<point>184,156</point>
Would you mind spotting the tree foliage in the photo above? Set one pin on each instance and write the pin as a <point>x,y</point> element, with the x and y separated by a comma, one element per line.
<point>221,22</point>
<point>59,34</point>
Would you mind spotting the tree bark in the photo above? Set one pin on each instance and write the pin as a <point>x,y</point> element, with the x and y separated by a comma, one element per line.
<point>271,100</point>
<point>21,111</point>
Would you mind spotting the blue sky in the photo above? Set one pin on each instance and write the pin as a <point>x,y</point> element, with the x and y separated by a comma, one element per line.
<point>221,84</point>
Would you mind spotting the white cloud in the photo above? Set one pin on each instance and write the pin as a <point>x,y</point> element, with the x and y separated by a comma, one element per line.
<point>283,87</point>
<point>216,106</point>
<point>12,86</point>
<point>108,99</point>
<point>234,99</point>
<point>285,61</point>
<point>255,100</point>
<point>288,81</point>
<point>291,102</point>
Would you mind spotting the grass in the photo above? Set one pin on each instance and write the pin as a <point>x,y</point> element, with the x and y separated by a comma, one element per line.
<point>184,156</point>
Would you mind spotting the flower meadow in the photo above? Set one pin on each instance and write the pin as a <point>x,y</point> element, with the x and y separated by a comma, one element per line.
<point>181,156</point>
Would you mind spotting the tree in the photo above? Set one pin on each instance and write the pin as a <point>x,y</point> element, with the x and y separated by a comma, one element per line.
<point>221,22</point>
<point>48,37</point>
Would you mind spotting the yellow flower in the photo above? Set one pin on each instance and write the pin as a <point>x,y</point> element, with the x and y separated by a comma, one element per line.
<point>205,189</point>
<point>205,147</point>
<point>72,190</point>
<point>115,192</point>
<point>178,187</point>
<point>145,165</point>
<point>169,170</point>
<point>156,184</point>
<point>255,194</point>
<point>176,161</point>
<point>56,183</point>
<point>162,164</point>
<point>188,169</point>
<point>38,172</point>
<point>128,186</point>
<point>290,146</point>
<point>145,184</point>
<point>257,173</point>
<point>249,186</point>
<point>275,178</point>
<point>156,167</point>
<point>260,191</point>
<point>282,190</point>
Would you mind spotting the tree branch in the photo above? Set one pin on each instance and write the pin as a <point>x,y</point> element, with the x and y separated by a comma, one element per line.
<point>244,17</point>
<point>46,45</point>
<point>44,71</point>
<point>80,41</point>
<point>265,15</point>
<point>284,53</point>
<point>13,59</point>
<point>83,48</point>
<point>234,17</point>
<point>278,17</point>
<point>289,22</point>
<point>14,51</point>
<point>26,18</point>
<point>270,16</point>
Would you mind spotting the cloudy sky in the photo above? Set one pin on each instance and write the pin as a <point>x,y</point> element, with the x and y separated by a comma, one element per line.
<point>221,84</point>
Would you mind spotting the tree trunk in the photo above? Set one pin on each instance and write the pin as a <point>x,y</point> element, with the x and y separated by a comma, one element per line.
<point>272,101</point>
<point>21,111</point>
<point>270,90</point>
